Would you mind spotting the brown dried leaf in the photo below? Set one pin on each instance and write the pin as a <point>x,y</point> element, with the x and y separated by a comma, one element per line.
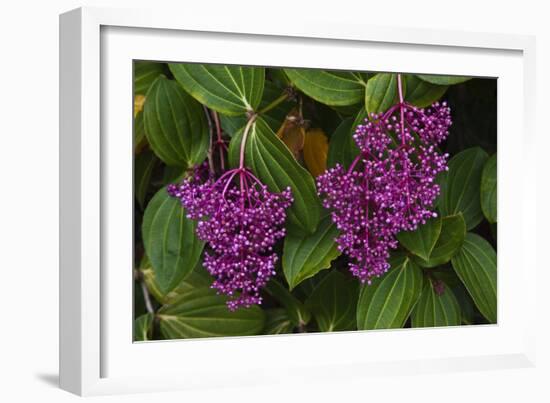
<point>292,132</point>
<point>316,151</point>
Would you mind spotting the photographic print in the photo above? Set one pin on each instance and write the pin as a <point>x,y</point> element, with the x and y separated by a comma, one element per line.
<point>299,200</point>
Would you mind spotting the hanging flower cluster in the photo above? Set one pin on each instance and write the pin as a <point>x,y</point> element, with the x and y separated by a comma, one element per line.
<point>241,221</point>
<point>390,186</point>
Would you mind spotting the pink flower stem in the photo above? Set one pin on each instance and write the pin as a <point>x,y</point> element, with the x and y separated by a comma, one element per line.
<point>403,140</point>
<point>355,161</point>
<point>401,108</point>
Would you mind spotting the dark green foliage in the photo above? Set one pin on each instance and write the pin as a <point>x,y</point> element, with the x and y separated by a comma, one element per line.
<point>442,274</point>
<point>388,301</point>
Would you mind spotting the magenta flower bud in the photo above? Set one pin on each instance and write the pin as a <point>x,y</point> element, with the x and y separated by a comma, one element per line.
<point>241,221</point>
<point>390,186</point>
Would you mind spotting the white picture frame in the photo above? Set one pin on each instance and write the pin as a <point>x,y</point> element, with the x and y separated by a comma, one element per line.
<point>96,49</point>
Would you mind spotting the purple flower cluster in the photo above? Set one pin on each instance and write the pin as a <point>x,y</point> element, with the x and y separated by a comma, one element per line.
<point>390,186</point>
<point>241,221</point>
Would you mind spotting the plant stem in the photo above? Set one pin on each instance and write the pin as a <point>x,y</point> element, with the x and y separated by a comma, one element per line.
<point>283,97</point>
<point>147,298</point>
<point>401,108</point>
<point>210,148</point>
<point>403,141</point>
<point>249,124</point>
<point>355,161</point>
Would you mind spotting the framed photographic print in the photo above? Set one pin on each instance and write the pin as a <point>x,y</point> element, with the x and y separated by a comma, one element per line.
<point>235,202</point>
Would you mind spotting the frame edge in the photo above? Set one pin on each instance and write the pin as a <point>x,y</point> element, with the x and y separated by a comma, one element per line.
<point>70,120</point>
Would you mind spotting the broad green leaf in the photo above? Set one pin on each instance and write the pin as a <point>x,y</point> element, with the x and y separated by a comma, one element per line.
<point>139,300</point>
<point>381,92</point>
<point>198,278</point>
<point>347,111</point>
<point>443,80</point>
<point>139,133</point>
<point>460,186</point>
<point>451,237</point>
<point>277,322</point>
<point>296,310</point>
<point>305,256</point>
<point>169,239</point>
<point>323,116</point>
<point>273,117</point>
<point>203,313</point>
<point>306,287</point>
<point>175,124</point>
<point>335,88</point>
<point>231,90</point>
<point>476,265</point>
<point>272,162</point>
<point>450,278</point>
<point>388,301</point>
<point>144,164</point>
<point>422,93</point>
<point>333,302</point>
<point>342,148</point>
<point>143,327</point>
<point>489,189</point>
<point>278,77</point>
<point>145,73</point>
<point>422,241</point>
<point>466,304</point>
<point>437,306</point>
<point>173,175</point>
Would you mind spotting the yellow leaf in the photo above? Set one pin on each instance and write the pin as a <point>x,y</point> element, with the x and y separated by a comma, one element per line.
<point>139,100</point>
<point>315,151</point>
<point>292,132</point>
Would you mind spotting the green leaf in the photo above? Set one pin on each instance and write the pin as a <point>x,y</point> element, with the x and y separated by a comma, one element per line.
<point>489,189</point>
<point>278,77</point>
<point>144,164</point>
<point>145,73</point>
<point>198,278</point>
<point>175,124</point>
<point>274,117</point>
<point>333,302</point>
<point>305,256</point>
<point>203,313</point>
<point>381,92</point>
<point>422,93</point>
<point>460,186</point>
<point>436,309</point>
<point>340,148</point>
<point>422,241</point>
<point>335,88</point>
<point>388,301</point>
<point>277,322</point>
<point>231,90</point>
<point>443,80</point>
<point>451,237</point>
<point>143,327</point>
<point>139,132</point>
<point>476,266</point>
<point>169,239</point>
<point>296,310</point>
<point>272,162</point>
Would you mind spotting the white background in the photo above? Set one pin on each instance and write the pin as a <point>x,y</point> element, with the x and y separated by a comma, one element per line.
<point>29,201</point>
